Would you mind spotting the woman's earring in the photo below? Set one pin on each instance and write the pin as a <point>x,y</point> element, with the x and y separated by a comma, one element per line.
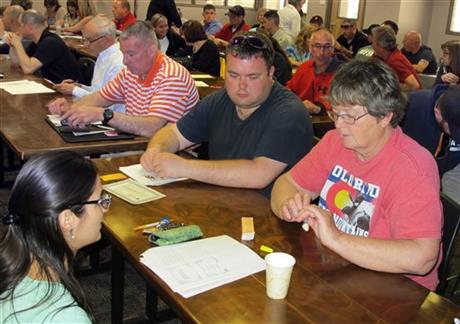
<point>72,236</point>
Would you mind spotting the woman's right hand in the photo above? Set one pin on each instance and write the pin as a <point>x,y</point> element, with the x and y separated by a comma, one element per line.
<point>449,78</point>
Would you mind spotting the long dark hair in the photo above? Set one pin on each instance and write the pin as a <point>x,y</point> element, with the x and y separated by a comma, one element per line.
<point>46,185</point>
<point>453,47</point>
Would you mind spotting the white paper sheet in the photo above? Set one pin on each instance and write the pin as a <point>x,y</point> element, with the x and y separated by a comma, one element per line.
<point>22,87</point>
<point>201,84</point>
<point>194,267</point>
<point>137,172</point>
<point>202,76</point>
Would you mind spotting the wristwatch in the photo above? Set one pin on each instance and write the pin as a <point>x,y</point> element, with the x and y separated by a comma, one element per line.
<point>108,115</point>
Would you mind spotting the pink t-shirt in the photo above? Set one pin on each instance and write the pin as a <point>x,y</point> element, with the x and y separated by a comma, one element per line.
<point>395,195</point>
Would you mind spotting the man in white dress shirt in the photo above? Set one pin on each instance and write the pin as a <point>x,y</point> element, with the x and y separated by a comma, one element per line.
<point>99,35</point>
<point>290,19</point>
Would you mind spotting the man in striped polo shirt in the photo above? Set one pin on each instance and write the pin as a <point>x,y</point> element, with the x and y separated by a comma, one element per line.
<point>155,89</point>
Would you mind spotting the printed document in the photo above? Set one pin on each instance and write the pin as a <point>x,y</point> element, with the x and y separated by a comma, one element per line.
<point>137,172</point>
<point>194,267</point>
<point>22,87</point>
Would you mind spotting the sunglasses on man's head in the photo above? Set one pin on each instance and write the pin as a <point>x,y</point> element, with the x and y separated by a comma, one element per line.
<point>251,40</point>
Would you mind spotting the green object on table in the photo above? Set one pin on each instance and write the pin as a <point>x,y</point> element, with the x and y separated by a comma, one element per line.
<point>175,235</point>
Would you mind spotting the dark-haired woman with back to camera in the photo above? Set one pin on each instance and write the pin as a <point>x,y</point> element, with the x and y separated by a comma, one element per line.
<point>205,57</point>
<point>56,207</point>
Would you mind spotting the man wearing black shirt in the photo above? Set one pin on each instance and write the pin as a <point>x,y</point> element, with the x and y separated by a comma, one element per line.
<point>48,52</point>
<point>351,39</point>
<point>419,55</point>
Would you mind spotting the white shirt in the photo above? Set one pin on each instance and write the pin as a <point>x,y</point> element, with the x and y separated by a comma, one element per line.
<point>109,62</point>
<point>290,20</point>
<point>164,44</point>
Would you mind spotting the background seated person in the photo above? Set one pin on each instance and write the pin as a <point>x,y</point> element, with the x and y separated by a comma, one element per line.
<point>48,52</point>
<point>255,128</point>
<point>378,189</point>
<point>39,239</point>
<point>170,42</point>
<point>53,13</point>
<point>300,51</point>
<point>236,25</point>
<point>86,10</point>
<point>210,24</point>
<point>449,71</point>
<point>385,49</point>
<point>122,15</point>
<point>351,39</point>
<point>448,116</point>
<point>154,88</point>
<point>271,25</point>
<point>100,35</point>
<point>72,16</point>
<point>283,67</point>
<point>205,57</point>
<point>312,80</point>
<point>421,56</point>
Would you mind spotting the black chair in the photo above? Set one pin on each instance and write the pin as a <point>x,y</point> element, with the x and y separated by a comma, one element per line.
<point>86,66</point>
<point>450,228</point>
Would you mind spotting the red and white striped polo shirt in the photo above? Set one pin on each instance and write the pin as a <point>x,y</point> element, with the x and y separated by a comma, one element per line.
<point>168,91</point>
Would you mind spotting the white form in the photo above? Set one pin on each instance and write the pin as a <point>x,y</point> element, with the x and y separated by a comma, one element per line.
<point>193,267</point>
<point>137,172</point>
<point>22,87</point>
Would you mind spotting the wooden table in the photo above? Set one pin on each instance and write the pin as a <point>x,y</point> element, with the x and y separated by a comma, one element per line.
<point>324,287</point>
<point>24,129</point>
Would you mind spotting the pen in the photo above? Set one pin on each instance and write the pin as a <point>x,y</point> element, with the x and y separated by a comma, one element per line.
<point>163,221</point>
<point>50,82</point>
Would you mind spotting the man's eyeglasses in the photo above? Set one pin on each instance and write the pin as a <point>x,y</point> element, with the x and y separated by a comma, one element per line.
<point>347,119</point>
<point>105,201</point>
<point>251,40</point>
<point>90,41</point>
<point>326,47</point>
<point>345,26</point>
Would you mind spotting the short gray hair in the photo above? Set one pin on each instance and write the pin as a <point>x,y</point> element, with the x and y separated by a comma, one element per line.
<point>32,17</point>
<point>371,84</point>
<point>384,37</point>
<point>141,30</point>
<point>13,11</point>
<point>105,26</point>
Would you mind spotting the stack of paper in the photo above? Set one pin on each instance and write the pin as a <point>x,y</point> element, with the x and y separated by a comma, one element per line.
<point>22,87</point>
<point>137,172</point>
<point>194,267</point>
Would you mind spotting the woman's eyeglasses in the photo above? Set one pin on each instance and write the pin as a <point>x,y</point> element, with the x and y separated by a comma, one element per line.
<point>347,119</point>
<point>105,201</point>
<point>251,40</point>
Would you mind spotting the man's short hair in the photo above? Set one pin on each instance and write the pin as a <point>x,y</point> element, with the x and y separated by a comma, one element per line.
<point>32,17</point>
<point>294,2</point>
<point>105,26</point>
<point>193,31</point>
<point>273,15</point>
<point>124,4</point>
<point>323,30</point>
<point>209,6</point>
<point>25,4</point>
<point>251,44</point>
<point>392,25</point>
<point>351,22</point>
<point>141,30</point>
<point>13,11</point>
<point>317,20</point>
<point>371,84</point>
<point>384,37</point>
